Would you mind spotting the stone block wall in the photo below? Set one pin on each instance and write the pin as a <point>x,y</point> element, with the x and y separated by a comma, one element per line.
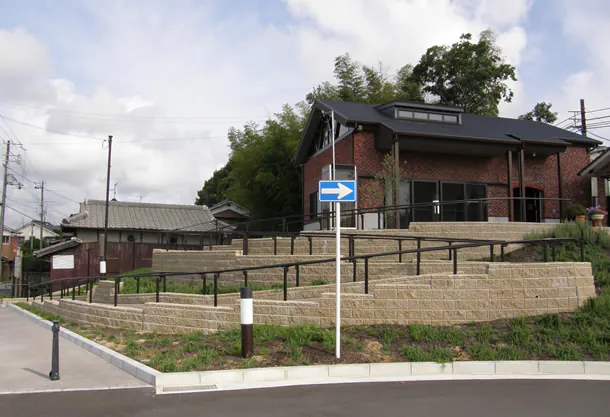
<point>503,291</point>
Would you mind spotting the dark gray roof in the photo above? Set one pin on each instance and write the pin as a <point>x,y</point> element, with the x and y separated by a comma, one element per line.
<point>58,247</point>
<point>229,205</point>
<point>473,127</point>
<point>143,216</point>
<point>49,226</point>
<point>599,167</point>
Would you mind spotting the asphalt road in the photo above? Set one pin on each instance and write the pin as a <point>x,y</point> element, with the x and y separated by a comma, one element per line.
<point>512,398</point>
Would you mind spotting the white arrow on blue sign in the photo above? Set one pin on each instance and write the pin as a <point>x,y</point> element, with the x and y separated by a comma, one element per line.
<point>337,191</point>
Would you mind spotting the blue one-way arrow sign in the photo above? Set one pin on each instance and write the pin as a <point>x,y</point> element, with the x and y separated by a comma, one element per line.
<point>337,191</point>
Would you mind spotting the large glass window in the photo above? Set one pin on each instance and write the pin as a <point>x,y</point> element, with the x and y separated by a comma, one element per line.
<point>424,192</point>
<point>453,212</point>
<point>313,205</point>
<point>476,210</point>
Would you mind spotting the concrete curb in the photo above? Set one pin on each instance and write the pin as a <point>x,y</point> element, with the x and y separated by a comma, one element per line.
<point>378,372</point>
<point>132,367</point>
<point>235,379</point>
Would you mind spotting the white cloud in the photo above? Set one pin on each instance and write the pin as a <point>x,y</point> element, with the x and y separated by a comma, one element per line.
<point>146,65</point>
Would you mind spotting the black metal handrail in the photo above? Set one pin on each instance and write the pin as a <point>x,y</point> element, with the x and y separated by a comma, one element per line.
<point>161,277</point>
<point>361,211</point>
<point>350,236</point>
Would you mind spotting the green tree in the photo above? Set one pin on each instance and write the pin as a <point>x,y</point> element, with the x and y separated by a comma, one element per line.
<point>367,84</point>
<point>263,176</point>
<point>469,75</point>
<point>541,113</point>
<point>406,88</point>
<point>214,189</point>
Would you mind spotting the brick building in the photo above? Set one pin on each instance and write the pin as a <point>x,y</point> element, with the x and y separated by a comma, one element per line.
<point>477,167</point>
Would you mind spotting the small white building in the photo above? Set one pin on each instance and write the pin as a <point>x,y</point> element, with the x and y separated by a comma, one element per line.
<point>33,228</point>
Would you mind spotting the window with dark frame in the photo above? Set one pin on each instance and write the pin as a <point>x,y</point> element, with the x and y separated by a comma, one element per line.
<point>313,205</point>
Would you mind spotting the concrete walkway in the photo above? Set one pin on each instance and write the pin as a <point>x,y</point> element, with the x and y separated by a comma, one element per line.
<point>25,361</point>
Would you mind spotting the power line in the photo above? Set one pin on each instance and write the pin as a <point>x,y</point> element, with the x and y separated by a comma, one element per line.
<point>57,132</point>
<point>15,138</point>
<point>598,136</point>
<point>136,141</point>
<point>109,117</point>
<point>596,110</point>
<point>597,118</point>
<point>62,196</point>
<point>49,130</point>
<point>20,212</point>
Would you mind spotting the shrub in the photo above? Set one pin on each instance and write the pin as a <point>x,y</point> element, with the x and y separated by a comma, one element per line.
<point>576,210</point>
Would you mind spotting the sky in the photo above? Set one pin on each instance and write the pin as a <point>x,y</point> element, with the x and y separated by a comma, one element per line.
<point>168,78</point>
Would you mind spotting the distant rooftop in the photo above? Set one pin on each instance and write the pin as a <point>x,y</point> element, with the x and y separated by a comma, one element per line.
<point>143,216</point>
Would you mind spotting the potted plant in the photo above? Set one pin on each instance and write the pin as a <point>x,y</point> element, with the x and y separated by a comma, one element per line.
<point>597,214</point>
<point>578,212</point>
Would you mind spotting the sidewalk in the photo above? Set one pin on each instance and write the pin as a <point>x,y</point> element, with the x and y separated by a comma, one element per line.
<point>25,361</point>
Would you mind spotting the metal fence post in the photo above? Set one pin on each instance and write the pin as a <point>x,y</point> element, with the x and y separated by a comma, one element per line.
<point>418,256</point>
<point>310,245</point>
<point>285,283</point>
<point>553,255</point>
<point>245,243</point>
<point>164,278</point>
<point>14,287</point>
<point>216,276</point>
<point>455,260</point>
<point>546,254</point>
<point>116,291</point>
<point>54,374</point>
<point>400,250</point>
<point>502,252</point>
<point>245,278</point>
<point>491,253</point>
<point>366,275</point>
<point>51,291</point>
<point>204,289</point>
<point>450,244</point>
<point>354,269</point>
<point>275,244</point>
<point>73,290</point>
<point>292,244</point>
<point>137,285</point>
<point>90,283</point>
<point>157,282</point>
<point>297,274</point>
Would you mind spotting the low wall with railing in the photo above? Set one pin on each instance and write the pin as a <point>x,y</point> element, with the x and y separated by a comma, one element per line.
<point>503,291</point>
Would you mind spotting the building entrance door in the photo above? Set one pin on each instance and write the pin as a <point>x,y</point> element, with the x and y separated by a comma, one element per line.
<point>533,205</point>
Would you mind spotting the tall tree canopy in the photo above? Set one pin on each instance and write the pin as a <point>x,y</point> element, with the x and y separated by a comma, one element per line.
<point>214,189</point>
<point>367,84</point>
<point>541,113</point>
<point>469,75</point>
<point>263,177</point>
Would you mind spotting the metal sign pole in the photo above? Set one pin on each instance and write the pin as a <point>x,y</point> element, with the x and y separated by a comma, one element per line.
<point>338,262</point>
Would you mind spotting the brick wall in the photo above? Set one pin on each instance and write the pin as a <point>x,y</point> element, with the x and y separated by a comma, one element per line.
<point>540,173</point>
<point>312,170</point>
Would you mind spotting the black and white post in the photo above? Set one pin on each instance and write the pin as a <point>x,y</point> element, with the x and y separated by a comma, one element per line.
<point>247,322</point>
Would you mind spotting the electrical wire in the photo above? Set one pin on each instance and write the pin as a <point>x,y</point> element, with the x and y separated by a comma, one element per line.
<point>598,136</point>
<point>119,117</point>
<point>49,130</point>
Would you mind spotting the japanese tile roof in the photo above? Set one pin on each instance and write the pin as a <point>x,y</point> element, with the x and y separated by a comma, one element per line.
<point>143,216</point>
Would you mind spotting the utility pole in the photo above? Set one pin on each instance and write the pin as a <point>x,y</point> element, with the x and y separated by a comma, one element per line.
<point>103,268</point>
<point>3,209</point>
<point>41,188</point>
<point>583,118</point>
